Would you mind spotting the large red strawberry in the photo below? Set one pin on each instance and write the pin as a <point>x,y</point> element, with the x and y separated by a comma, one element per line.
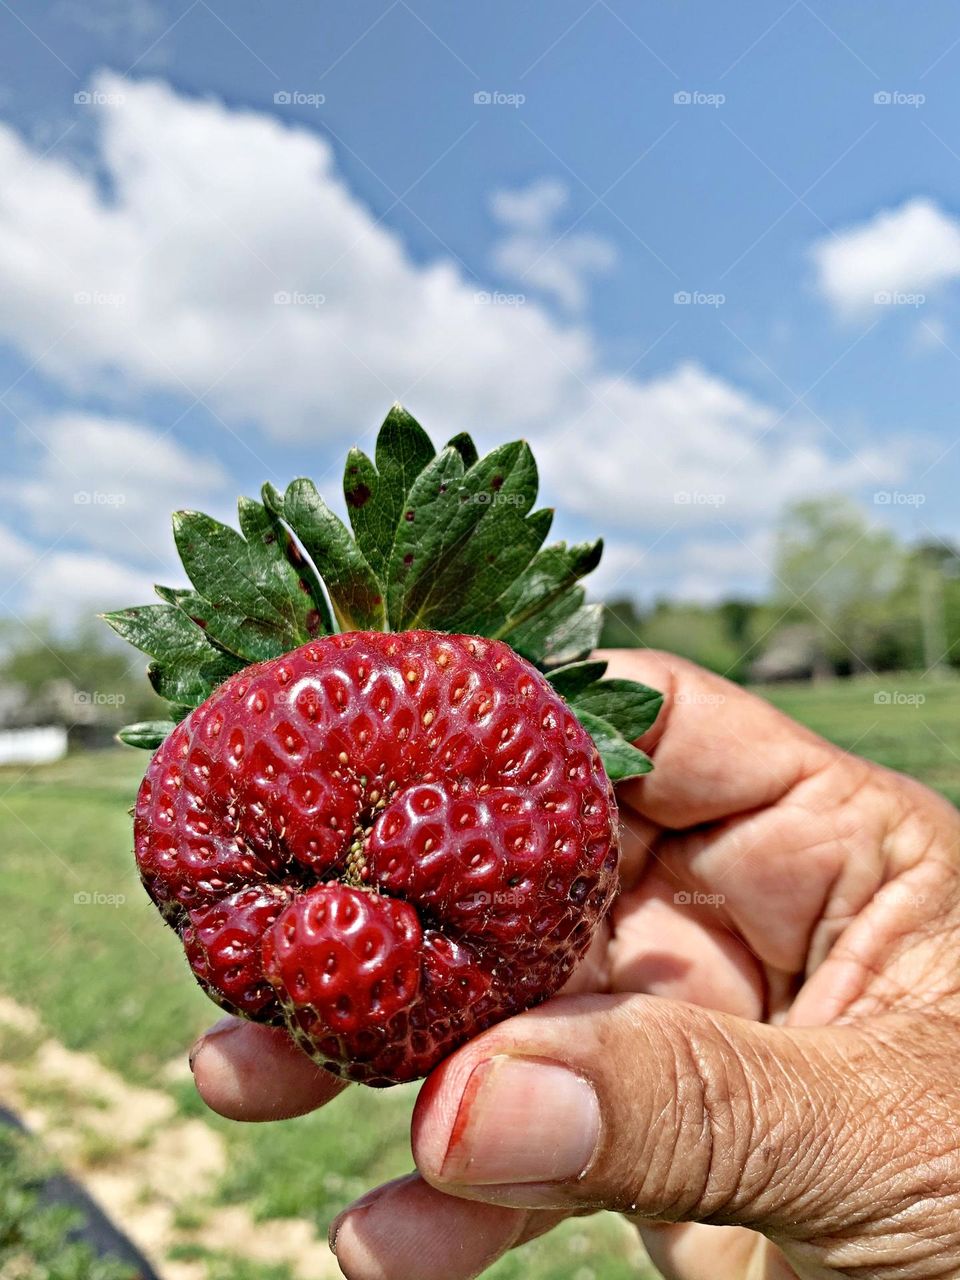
<point>384,838</point>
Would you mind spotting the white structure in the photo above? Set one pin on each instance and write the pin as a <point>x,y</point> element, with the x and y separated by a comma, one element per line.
<point>33,746</point>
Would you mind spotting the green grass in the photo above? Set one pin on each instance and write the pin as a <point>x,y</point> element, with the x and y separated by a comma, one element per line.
<point>917,730</point>
<point>110,980</point>
<point>34,1238</point>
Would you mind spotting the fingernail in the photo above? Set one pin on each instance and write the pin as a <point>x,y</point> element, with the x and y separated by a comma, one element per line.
<point>217,1031</point>
<point>522,1120</point>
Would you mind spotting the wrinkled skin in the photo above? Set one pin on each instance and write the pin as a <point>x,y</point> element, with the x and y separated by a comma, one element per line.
<point>764,1042</point>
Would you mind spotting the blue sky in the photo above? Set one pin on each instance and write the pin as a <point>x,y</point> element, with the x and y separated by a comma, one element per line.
<point>171,170</point>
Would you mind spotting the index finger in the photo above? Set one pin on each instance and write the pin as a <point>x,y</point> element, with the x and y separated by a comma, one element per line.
<point>719,750</point>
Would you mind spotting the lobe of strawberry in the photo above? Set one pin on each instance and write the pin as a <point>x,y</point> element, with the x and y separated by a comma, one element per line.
<point>366,825</point>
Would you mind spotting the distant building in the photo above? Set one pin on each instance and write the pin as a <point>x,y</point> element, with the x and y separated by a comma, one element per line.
<point>795,652</point>
<point>40,727</point>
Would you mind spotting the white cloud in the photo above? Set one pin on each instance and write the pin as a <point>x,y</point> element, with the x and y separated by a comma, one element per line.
<point>112,484</point>
<point>687,447</point>
<point>912,249</point>
<point>213,212</point>
<point>535,254</point>
<point>193,216</point>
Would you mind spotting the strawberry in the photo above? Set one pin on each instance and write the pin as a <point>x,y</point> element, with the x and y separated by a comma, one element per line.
<point>384,838</point>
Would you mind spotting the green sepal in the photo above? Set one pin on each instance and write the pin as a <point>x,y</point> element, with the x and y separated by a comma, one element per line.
<point>630,707</point>
<point>621,758</point>
<point>147,734</point>
<point>569,680</point>
<point>355,592</point>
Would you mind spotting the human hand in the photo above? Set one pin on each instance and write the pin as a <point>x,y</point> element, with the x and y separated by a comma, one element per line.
<point>791,916</point>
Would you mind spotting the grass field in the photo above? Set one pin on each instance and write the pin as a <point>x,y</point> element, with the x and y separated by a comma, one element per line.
<point>82,946</point>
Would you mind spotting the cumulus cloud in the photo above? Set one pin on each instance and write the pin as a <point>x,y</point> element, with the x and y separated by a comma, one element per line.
<point>113,483</point>
<point>534,254</point>
<point>209,251</point>
<point>686,446</point>
<point>911,249</point>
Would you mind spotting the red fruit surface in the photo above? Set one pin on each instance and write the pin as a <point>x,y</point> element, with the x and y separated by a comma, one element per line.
<point>385,842</point>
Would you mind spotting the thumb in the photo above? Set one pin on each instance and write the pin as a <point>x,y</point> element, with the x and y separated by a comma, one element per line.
<point>668,1111</point>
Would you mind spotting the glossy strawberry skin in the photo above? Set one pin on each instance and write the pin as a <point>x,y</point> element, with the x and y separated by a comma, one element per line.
<point>385,841</point>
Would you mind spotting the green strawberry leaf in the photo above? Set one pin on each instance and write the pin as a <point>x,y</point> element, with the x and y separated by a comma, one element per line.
<point>188,667</point>
<point>146,733</point>
<point>466,449</point>
<point>549,576</point>
<point>376,495</point>
<point>620,758</point>
<point>261,601</point>
<point>569,680</point>
<point>630,707</point>
<point>355,593</point>
<point>464,537</point>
